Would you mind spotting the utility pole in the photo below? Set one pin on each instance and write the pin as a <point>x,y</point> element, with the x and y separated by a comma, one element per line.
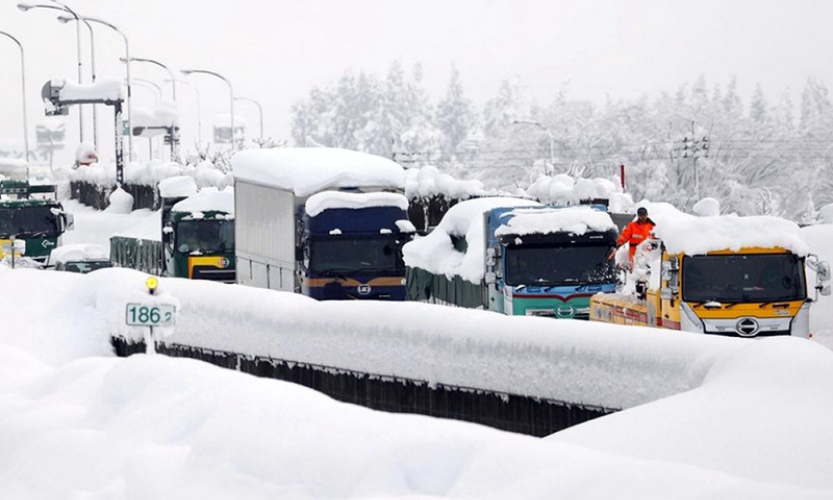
<point>695,148</point>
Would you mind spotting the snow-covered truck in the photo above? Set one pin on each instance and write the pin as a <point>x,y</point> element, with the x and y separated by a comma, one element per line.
<point>32,214</point>
<point>328,223</point>
<point>723,275</point>
<point>196,235</point>
<point>515,257</point>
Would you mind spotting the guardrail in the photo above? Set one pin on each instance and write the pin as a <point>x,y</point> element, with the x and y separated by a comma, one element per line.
<point>95,195</point>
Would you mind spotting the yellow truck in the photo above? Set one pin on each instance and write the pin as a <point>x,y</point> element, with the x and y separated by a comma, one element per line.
<point>718,275</point>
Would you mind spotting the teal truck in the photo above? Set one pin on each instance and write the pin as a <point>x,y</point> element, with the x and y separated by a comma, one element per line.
<point>31,214</point>
<point>195,239</point>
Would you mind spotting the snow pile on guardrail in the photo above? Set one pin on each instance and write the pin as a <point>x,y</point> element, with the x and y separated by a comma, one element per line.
<point>428,181</point>
<point>570,361</point>
<point>563,189</point>
<point>151,173</point>
<point>436,253</point>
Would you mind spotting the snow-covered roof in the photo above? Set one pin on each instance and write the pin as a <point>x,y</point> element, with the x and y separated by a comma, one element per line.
<point>103,89</point>
<point>436,253</point>
<point>574,220</point>
<point>429,181</point>
<point>78,252</point>
<point>306,171</point>
<point>324,200</point>
<point>223,120</point>
<point>562,189</point>
<point>209,199</point>
<point>693,235</point>
<point>174,187</point>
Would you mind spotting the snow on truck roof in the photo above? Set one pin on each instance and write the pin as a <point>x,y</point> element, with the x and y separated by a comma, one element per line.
<point>325,200</point>
<point>436,254</point>
<point>306,171</point>
<point>574,220</point>
<point>563,189</point>
<point>428,181</point>
<point>208,199</point>
<point>692,235</point>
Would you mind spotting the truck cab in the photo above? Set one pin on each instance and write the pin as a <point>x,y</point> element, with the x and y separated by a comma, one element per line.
<point>746,291</point>
<point>548,261</point>
<point>350,246</point>
<point>198,236</point>
<point>33,215</point>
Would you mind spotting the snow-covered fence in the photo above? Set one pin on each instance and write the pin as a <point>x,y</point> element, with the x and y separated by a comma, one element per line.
<point>566,364</point>
<point>91,185</point>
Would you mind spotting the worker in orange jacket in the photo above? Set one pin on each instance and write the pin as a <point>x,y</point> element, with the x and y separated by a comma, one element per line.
<point>637,231</point>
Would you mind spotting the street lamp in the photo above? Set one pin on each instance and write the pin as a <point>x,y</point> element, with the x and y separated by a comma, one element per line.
<point>64,19</point>
<point>545,129</point>
<point>260,111</point>
<point>23,85</point>
<point>230,91</point>
<point>78,20</point>
<point>157,63</point>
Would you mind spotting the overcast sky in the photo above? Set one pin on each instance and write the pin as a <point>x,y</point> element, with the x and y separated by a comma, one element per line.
<point>274,50</point>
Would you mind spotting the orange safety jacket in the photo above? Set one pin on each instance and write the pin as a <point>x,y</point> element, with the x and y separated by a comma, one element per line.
<point>635,233</point>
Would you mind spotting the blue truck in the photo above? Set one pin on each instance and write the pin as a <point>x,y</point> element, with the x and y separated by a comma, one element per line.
<point>515,257</point>
<point>328,223</point>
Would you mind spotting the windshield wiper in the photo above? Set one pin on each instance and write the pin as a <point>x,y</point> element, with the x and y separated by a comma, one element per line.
<point>770,302</point>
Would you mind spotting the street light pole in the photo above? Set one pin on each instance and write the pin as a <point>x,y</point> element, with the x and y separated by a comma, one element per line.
<point>260,111</point>
<point>230,91</point>
<point>157,63</point>
<point>23,85</point>
<point>545,129</point>
<point>127,56</point>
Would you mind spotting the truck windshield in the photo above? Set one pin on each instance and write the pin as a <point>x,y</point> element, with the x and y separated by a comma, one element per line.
<point>537,265</point>
<point>743,278</point>
<point>356,255</point>
<point>205,236</point>
<point>28,222</point>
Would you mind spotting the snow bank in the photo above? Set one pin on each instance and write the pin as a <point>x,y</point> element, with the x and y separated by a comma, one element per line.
<point>93,226</point>
<point>428,181</point>
<point>562,189</point>
<point>176,187</point>
<point>325,200</point>
<point>120,202</point>
<point>309,170</point>
<point>13,168</point>
<point>826,214</point>
<point>78,252</point>
<point>207,200</point>
<point>573,220</point>
<point>199,431</point>
<point>106,89</point>
<point>436,253</point>
<point>707,207</point>
<point>692,235</point>
<point>150,173</point>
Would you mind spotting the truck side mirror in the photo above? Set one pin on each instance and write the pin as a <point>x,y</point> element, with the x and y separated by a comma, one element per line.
<point>823,273</point>
<point>490,278</point>
<point>69,222</point>
<point>826,290</point>
<point>167,233</point>
<point>299,253</point>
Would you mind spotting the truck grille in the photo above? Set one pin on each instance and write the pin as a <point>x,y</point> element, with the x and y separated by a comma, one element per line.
<point>214,274</point>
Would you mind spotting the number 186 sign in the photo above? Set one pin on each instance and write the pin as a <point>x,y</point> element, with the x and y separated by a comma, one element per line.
<point>151,315</point>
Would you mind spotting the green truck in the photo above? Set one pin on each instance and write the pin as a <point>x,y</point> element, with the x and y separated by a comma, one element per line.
<point>31,214</point>
<point>196,237</point>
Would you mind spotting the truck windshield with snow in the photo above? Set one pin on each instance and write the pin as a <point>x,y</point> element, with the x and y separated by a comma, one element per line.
<point>328,223</point>
<point>723,275</point>
<point>31,214</point>
<point>515,257</point>
<point>196,238</point>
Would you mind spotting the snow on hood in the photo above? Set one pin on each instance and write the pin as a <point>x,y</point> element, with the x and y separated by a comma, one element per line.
<point>103,89</point>
<point>573,220</point>
<point>207,200</point>
<point>691,235</point>
<point>306,171</point>
<point>175,187</point>
<point>562,189</point>
<point>78,252</point>
<point>325,200</point>
<point>428,181</point>
<point>435,253</point>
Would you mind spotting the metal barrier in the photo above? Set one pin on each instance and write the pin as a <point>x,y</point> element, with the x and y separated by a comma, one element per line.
<point>95,195</point>
<point>509,412</point>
